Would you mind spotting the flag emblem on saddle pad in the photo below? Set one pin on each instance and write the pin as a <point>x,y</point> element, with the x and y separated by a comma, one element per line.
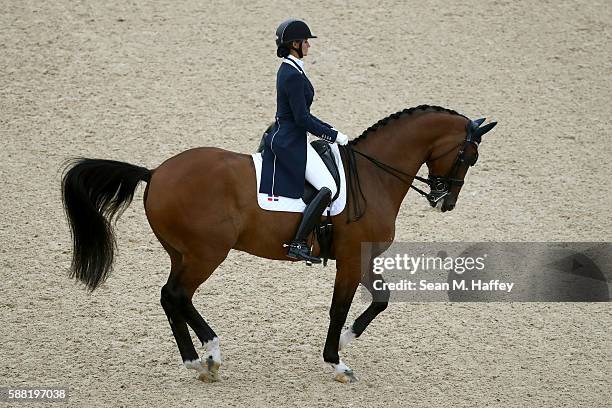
<point>272,197</point>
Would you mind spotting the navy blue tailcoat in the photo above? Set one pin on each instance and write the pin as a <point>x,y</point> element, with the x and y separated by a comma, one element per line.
<point>284,153</point>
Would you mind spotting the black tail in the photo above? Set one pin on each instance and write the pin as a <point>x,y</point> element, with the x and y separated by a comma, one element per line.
<point>94,192</point>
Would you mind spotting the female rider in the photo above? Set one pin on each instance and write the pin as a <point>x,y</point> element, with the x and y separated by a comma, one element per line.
<point>288,158</point>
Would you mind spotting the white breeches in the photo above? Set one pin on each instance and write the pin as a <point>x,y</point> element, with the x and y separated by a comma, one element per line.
<point>316,171</point>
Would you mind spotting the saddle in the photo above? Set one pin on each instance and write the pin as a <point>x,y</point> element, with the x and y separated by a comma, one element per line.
<point>324,150</point>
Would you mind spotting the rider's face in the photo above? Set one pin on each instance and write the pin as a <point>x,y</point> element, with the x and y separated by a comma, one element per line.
<point>305,46</point>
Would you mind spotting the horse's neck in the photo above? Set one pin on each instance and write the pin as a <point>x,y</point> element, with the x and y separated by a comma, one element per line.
<point>404,145</point>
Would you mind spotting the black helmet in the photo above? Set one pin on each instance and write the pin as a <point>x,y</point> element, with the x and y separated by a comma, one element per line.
<point>292,30</point>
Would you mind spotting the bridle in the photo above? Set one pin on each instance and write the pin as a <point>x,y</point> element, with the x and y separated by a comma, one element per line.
<point>440,186</point>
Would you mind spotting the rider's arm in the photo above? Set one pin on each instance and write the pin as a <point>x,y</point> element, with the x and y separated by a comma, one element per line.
<point>297,100</point>
<point>320,121</point>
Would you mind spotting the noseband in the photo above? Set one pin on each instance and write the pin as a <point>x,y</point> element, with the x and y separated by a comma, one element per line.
<point>440,186</point>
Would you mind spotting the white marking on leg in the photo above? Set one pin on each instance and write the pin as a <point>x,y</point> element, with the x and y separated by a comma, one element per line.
<point>213,350</point>
<point>346,338</point>
<point>340,367</point>
<point>194,365</point>
<point>343,373</point>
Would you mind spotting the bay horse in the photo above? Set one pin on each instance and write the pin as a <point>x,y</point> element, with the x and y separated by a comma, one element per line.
<point>202,203</point>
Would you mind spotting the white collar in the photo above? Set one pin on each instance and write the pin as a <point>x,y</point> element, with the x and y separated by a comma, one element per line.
<point>297,61</point>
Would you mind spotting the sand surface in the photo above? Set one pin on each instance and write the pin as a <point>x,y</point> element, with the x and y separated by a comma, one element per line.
<point>140,81</point>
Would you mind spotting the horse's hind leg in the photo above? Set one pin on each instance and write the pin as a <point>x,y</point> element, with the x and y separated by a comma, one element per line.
<point>169,302</point>
<point>185,277</point>
<point>196,273</point>
<point>179,327</point>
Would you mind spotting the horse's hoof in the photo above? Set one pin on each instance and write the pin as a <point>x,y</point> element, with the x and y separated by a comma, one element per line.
<point>209,372</point>
<point>345,377</point>
<point>212,371</point>
<point>208,377</point>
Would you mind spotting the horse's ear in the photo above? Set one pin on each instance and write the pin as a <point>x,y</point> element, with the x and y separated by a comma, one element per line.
<point>478,122</point>
<point>482,130</point>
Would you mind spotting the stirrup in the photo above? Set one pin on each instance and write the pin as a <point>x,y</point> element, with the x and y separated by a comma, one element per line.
<point>301,251</point>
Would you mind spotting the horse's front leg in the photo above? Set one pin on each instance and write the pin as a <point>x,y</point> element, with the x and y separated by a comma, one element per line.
<point>374,283</point>
<point>347,280</point>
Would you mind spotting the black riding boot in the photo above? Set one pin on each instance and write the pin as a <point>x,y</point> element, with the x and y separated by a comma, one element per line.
<point>299,249</point>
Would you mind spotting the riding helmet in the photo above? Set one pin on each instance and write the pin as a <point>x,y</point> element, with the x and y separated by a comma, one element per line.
<point>291,30</point>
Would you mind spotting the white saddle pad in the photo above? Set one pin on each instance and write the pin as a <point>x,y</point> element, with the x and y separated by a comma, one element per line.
<point>280,203</point>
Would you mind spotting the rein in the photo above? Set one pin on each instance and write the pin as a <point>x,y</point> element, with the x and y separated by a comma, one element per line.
<point>437,184</point>
<point>393,171</point>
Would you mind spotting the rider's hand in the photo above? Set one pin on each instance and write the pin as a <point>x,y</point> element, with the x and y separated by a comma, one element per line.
<point>342,139</point>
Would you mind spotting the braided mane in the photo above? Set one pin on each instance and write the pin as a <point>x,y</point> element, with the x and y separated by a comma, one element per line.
<point>408,111</point>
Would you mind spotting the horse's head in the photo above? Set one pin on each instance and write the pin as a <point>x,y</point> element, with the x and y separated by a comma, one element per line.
<point>447,170</point>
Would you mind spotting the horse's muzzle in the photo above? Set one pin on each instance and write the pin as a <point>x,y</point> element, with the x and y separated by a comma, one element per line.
<point>447,207</point>
<point>448,204</point>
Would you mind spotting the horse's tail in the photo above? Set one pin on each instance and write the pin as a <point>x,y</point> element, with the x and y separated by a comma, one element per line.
<point>94,192</point>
